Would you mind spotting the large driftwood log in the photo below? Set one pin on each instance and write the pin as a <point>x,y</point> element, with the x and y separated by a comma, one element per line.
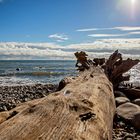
<point>82,110</point>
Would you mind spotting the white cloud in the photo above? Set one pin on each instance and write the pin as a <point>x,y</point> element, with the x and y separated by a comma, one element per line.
<point>87,30</point>
<point>59,37</point>
<point>32,51</point>
<point>106,35</point>
<point>114,35</point>
<point>121,28</point>
<point>134,33</point>
<point>108,44</point>
<point>127,28</point>
<point>99,48</point>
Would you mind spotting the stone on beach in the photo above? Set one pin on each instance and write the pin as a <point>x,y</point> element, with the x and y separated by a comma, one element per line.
<point>121,100</point>
<point>130,112</point>
<point>119,94</point>
<point>137,101</point>
<point>132,93</point>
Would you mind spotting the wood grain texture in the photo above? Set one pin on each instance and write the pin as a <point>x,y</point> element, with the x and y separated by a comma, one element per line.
<point>82,110</point>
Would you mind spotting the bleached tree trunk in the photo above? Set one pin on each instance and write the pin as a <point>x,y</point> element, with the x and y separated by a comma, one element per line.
<point>82,110</point>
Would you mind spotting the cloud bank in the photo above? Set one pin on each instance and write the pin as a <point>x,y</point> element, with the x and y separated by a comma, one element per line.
<point>99,48</point>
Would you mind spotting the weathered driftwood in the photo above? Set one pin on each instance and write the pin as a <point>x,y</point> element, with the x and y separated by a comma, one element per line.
<point>98,61</point>
<point>114,67</point>
<point>82,61</point>
<point>82,110</point>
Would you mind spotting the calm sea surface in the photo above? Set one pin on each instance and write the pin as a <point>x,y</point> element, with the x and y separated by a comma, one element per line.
<point>14,72</point>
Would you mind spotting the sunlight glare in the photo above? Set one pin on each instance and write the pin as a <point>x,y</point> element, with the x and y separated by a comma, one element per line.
<point>133,2</point>
<point>129,7</point>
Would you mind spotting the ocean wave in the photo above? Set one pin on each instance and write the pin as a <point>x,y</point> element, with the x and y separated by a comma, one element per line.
<point>39,68</point>
<point>36,73</point>
<point>10,81</point>
<point>54,68</point>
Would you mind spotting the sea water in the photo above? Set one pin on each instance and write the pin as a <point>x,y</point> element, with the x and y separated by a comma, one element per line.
<point>13,72</point>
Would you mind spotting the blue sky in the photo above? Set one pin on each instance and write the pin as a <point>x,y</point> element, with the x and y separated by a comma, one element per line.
<point>35,20</point>
<point>68,22</point>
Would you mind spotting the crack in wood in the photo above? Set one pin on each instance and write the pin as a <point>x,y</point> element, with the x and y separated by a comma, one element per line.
<point>87,116</point>
<point>12,114</point>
